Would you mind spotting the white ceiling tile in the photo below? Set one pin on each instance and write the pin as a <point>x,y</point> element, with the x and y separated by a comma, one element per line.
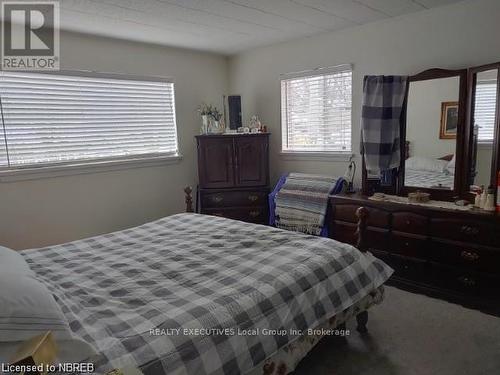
<point>226,26</point>
<point>393,7</point>
<point>351,10</point>
<point>435,3</point>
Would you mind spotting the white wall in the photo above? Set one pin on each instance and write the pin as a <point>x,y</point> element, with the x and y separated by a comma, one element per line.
<point>55,210</point>
<point>423,120</point>
<point>456,36</point>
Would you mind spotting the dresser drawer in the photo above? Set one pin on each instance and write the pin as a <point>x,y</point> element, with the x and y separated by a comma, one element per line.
<point>470,257</point>
<point>405,268</point>
<point>410,223</point>
<point>477,285</point>
<point>233,198</point>
<point>346,232</point>
<point>414,246</point>
<point>343,232</point>
<point>347,212</point>
<point>258,214</point>
<point>468,231</point>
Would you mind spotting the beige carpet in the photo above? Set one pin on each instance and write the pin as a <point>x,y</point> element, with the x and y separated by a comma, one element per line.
<point>411,334</point>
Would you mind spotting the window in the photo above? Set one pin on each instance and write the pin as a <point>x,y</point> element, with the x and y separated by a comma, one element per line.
<point>484,110</point>
<point>316,111</point>
<point>53,118</point>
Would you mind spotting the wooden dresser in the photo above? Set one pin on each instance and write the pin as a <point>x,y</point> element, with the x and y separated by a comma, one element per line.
<point>233,175</point>
<point>441,252</point>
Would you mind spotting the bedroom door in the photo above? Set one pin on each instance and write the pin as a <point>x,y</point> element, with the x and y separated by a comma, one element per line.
<point>216,162</point>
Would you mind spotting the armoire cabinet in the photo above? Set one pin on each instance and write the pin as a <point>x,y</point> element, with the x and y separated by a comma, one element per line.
<point>233,173</point>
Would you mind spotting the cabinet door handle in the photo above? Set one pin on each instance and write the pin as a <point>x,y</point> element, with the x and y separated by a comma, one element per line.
<point>254,213</point>
<point>408,222</point>
<point>217,199</point>
<point>469,231</point>
<point>253,198</point>
<point>467,281</point>
<point>471,256</point>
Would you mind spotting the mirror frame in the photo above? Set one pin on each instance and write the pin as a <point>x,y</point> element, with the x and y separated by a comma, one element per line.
<point>462,130</point>
<point>471,96</point>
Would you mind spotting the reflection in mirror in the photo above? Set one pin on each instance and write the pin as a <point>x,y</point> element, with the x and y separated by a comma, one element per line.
<point>484,125</point>
<point>431,132</point>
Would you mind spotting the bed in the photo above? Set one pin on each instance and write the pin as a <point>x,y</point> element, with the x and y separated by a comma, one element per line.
<point>197,294</point>
<point>429,179</point>
<point>427,172</point>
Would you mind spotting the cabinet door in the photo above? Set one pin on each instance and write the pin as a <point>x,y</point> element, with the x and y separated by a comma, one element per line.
<point>215,162</point>
<point>252,165</point>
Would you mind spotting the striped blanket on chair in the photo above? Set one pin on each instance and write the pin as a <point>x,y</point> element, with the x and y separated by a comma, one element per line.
<point>302,201</point>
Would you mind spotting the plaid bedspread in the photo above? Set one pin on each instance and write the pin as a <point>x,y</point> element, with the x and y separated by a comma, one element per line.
<point>429,179</point>
<point>193,294</point>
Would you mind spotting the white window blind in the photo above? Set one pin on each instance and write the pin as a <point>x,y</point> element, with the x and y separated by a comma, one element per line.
<point>316,111</point>
<point>55,118</point>
<point>485,109</point>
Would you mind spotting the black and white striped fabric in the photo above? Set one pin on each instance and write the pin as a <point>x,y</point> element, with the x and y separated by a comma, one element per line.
<point>210,278</point>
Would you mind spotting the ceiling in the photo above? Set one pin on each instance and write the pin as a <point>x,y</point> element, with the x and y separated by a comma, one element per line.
<point>227,26</point>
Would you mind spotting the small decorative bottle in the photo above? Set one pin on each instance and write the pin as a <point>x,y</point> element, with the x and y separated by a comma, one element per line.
<point>477,200</point>
<point>484,195</point>
<point>490,200</point>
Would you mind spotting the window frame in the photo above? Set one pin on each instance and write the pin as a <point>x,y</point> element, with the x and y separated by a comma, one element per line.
<point>104,164</point>
<point>314,155</point>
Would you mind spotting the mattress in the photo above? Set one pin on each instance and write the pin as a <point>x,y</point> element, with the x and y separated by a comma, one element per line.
<point>429,179</point>
<point>196,294</point>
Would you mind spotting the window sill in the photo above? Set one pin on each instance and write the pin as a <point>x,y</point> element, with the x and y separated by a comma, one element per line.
<point>85,168</point>
<point>325,156</point>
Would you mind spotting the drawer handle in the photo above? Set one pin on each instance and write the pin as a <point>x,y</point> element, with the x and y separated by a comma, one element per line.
<point>253,198</point>
<point>217,199</point>
<point>467,281</point>
<point>470,231</point>
<point>469,255</point>
<point>254,213</point>
<point>408,222</point>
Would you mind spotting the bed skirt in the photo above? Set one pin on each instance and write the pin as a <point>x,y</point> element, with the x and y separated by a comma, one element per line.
<point>286,359</point>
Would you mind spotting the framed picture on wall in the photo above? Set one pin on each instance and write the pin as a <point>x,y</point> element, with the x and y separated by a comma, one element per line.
<point>449,120</point>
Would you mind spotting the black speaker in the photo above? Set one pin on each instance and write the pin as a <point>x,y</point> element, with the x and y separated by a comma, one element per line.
<point>234,103</point>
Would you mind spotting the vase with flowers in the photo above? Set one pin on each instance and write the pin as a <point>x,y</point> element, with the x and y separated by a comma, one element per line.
<point>211,119</point>
<point>204,110</point>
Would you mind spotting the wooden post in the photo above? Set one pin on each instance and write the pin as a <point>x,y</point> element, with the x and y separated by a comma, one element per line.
<point>362,245</point>
<point>362,214</point>
<point>362,319</point>
<point>189,199</point>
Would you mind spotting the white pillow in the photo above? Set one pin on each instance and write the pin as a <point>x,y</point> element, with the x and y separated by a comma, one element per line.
<point>450,167</point>
<point>27,309</point>
<point>12,261</point>
<point>419,163</point>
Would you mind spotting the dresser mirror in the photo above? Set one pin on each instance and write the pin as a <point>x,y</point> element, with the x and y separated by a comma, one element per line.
<point>433,131</point>
<point>483,118</point>
<point>449,134</point>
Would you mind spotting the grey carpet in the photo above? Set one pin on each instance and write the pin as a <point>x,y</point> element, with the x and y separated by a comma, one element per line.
<point>411,334</point>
